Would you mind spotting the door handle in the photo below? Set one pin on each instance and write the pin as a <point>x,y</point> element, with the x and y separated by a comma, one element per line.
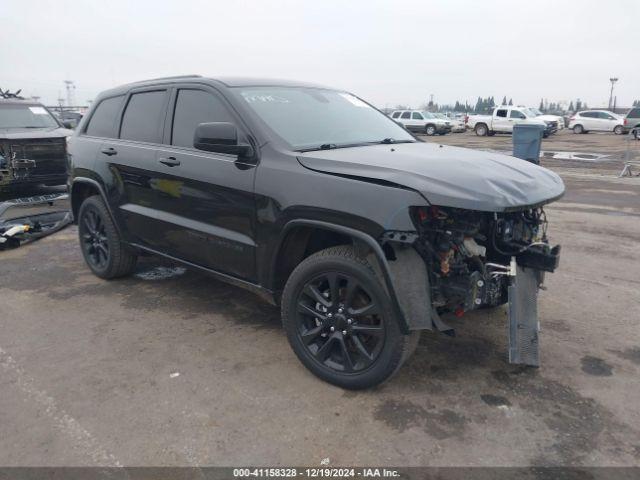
<point>170,161</point>
<point>109,151</point>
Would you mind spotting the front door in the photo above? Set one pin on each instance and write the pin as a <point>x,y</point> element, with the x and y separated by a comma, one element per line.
<point>205,200</point>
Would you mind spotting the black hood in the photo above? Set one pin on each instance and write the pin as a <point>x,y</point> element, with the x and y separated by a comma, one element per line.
<point>34,133</point>
<point>446,176</point>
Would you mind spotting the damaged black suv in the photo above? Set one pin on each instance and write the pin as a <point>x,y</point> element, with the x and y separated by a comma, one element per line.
<point>32,144</point>
<point>318,202</point>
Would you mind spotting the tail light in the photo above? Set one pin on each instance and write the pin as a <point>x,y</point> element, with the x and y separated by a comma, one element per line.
<point>466,119</point>
<point>625,122</point>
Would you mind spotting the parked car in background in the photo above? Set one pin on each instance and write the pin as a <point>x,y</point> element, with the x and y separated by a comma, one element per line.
<point>33,147</point>
<point>457,125</point>
<point>69,119</point>
<point>596,121</point>
<point>422,122</point>
<point>632,121</point>
<point>559,119</point>
<point>504,118</point>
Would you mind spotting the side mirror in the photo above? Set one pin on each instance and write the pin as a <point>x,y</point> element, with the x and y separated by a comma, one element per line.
<point>220,137</point>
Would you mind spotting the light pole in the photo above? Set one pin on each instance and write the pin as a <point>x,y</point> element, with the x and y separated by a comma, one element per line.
<point>613,81</point>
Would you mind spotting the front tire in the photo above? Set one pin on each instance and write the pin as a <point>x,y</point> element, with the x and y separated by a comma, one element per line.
<point>340,323</point>
<point>100,242</point>
<point>430,130</point>
<point>481,130</point>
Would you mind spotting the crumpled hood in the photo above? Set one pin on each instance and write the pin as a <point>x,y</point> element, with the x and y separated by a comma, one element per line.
<point>29,133</point>
<point>446,176</point>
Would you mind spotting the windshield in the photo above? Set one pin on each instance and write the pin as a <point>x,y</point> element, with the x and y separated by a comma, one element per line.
<point>441,116</point>
<point>314,118</point>
<point>25,116</point>
<point>534,111</point>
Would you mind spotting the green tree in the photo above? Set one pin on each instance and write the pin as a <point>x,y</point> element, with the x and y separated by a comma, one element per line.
<point>504,100</point>
<point>511,101</point>
<point>571,106</point>
<point>541,107</point>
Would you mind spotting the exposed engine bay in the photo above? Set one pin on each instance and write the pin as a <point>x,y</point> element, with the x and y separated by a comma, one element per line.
<point>476,260</point>
<point>468,253</point>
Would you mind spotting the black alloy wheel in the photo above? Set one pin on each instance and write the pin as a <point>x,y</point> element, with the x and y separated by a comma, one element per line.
<point>93,237</point>
<point>340,322</point>
<point>102,247</point>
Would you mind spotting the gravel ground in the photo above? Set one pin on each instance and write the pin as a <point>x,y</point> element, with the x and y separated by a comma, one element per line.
<point>170,367</point>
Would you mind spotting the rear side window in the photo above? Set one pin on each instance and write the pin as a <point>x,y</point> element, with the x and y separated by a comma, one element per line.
<point>103,120</point>
<point>143,116</point>
<point>395,115</point>
<point>416,116</point>
<point>589,114</point>
<point>634,113</point>
<point>405,115</point>
<point>501,113</point>
<point>192,108</point>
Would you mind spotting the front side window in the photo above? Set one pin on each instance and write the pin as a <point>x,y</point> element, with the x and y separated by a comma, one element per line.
<point>517,114</point>
<point>416,116</point>
<point>194,107</point>
<point>143,117</point>
<point>14,115</point>
<point>102,122</point>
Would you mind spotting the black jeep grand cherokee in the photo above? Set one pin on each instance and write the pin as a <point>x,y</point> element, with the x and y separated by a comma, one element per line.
<point>318,202</point>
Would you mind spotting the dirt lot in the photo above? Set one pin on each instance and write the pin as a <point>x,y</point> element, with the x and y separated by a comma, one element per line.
<point>170,367</point>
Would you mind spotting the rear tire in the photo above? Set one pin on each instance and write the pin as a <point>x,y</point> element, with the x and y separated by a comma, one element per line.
<point>481,130</point>
<point>619,130</point>
<point>578,129</point>
<point>317,308</point>
<point>100,242</point>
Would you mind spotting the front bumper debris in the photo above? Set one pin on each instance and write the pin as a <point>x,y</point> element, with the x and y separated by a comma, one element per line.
<point>24,220</point>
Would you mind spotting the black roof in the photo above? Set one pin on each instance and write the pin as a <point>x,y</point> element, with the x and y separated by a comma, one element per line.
<point>225,81</point>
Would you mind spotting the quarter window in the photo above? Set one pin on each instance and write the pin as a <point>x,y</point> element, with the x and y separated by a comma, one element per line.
<point>194,107</point>
<point>103,121</point>
<point>143,116</point>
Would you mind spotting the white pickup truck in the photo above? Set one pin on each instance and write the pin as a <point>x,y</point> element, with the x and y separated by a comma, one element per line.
<point>504,118</point>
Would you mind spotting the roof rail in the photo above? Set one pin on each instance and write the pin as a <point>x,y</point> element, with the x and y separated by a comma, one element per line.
<point>175,77</point>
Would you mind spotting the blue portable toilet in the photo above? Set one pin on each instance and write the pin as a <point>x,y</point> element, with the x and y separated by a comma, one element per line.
<point>527,140</point>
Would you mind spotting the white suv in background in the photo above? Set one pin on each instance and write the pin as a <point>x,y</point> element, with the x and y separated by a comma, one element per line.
<point>421,122</point>
<point>596,121</point>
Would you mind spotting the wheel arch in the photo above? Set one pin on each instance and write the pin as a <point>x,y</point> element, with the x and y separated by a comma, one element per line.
<point>297,243</point>
<point>83,188</point>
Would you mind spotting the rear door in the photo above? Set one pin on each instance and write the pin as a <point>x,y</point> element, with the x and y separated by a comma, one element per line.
<point>405,119</point>
<point>132,160</point>
<point>205,200</point>
<point>590,120</point>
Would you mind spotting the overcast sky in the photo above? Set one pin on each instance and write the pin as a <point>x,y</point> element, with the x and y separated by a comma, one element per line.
<point>388,52</point>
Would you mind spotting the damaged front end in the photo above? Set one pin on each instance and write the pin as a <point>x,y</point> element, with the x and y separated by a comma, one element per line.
<point>478,260</point>
<point>32,161</point>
